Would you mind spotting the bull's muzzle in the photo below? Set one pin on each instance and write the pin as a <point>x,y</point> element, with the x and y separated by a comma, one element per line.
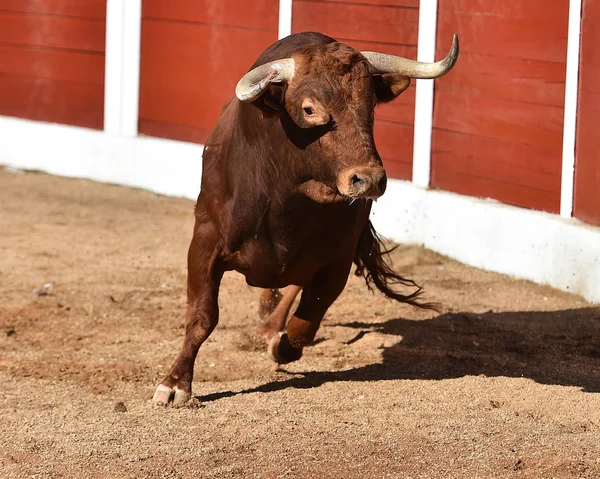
<point>363,182</point>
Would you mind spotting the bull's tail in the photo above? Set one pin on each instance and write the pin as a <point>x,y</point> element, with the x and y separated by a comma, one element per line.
<point>373,263</point>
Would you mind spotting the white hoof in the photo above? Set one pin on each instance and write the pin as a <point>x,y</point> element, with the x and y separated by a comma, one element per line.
<point>162,395</point>
<point>272,347</point>
<point>181,397</point>
<point>165,395</point>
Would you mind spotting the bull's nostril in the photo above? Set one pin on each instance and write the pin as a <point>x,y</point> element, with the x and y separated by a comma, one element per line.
<point>356,180</point>
<point>382,183</point>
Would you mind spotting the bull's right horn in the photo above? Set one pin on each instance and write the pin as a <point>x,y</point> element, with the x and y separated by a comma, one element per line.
<point>253,84</point>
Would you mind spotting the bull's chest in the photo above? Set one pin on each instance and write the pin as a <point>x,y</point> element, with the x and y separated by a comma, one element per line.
<point>295,244</point>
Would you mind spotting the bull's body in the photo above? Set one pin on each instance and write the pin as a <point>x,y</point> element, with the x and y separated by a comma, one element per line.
<point>271,232</point>
<point>273,207</point>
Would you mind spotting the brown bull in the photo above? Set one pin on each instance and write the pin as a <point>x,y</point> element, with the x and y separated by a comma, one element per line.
<point>289,175</point>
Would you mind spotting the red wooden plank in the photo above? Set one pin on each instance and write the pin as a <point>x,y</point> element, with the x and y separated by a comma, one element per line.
<point>397,170</point>
<point>591,9</point>
<point>258,14</point>
<point>538,10</point>
<point>590,53</point>
<point>401,110</point>
<point>451,180</point>
<point>588,86</point>
<point>394,143</point>
<point>384,3</point>
<point>189,71</point>
<point>394,140</point>
<point>506,36</point>
<point>357,21</point>
<point>44,99</point>
<point>588,80</point>
<point>527,123</point>
<point>500,160</point>
<point>586,202</point>
<point>57,65</point>
<point>490,168</point>
<point>53,31</point>
<point>512,79</point>
<point>193,134</point>
<point>73,8</point>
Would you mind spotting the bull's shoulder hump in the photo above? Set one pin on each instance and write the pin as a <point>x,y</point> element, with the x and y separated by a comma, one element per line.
<point>287,46</point>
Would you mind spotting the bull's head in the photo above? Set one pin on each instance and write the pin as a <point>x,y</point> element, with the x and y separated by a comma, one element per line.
<point>329,92</point>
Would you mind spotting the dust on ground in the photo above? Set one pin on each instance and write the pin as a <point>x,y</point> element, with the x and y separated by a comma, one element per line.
<point>503,383</point>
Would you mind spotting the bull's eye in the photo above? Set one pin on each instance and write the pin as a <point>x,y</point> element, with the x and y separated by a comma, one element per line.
<point>308,110</point>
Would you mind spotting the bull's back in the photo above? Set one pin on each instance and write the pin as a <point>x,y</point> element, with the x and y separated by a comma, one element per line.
<point>287,46</point>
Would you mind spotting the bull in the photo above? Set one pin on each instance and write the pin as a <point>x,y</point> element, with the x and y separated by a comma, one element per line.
<point>289,175</point>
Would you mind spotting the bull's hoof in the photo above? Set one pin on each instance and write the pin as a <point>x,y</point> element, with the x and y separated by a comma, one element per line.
<point>164,395</point>
<point>281,351</point>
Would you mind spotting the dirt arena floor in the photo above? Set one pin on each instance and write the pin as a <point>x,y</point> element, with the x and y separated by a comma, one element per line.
<point>503,383</point>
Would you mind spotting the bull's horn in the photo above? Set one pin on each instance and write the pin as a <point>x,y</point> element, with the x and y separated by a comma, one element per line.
<point>382,63</point>
<point>253,83</point>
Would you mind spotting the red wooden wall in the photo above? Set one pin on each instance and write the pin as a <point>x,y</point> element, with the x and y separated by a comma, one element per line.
<point>498,117</point>
<point>587,165</point>
<point>193,54</point>
<point>387,26</point>
<point>52,60</point>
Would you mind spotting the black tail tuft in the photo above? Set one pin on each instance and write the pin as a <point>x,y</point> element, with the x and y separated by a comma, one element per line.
<point>373,263</point>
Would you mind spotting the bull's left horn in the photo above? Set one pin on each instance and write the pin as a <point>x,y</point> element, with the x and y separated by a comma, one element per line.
<point>253,84</point>
<point>382,63</point>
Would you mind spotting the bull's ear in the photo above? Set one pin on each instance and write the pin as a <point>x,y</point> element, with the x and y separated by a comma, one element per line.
<point>389,85</point>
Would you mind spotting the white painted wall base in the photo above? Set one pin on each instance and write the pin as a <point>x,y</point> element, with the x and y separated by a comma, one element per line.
<point>163,166</point>
<point>538,246</point>
<point>541,247</point>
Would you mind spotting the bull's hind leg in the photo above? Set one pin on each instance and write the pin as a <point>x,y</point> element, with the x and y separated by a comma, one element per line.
<point>275,321</point>
<point>204,277</point>
<point>316,299</point>
<point>269,299</point>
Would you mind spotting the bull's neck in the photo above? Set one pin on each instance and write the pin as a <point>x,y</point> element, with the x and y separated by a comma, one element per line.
<point>276,159</point>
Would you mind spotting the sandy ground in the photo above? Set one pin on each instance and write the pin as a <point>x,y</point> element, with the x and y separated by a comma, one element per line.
<point>503,383</point>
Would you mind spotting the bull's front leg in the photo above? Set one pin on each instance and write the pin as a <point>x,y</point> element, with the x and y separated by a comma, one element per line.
<point>316,299</point>
<point>205,271</point>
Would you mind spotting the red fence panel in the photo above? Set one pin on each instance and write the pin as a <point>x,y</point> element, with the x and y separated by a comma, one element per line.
<point>193,53</point>
<point>52,60</point>
<point>586,204</point>
<point>498,116</point>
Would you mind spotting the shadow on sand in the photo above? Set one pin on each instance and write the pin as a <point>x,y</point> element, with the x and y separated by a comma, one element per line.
<point>551,347</point>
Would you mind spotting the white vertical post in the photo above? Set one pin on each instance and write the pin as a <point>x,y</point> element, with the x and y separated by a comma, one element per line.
<point>285,18</point>
<point>570,122</point>
<point>421,173</point>
<point>122,66</point>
